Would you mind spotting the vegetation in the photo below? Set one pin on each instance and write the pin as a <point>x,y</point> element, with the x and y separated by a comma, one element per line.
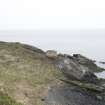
<point>6,100</point>
<point>25,74</point>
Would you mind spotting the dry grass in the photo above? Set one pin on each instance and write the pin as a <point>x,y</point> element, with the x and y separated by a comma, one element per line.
<point>24,74</point>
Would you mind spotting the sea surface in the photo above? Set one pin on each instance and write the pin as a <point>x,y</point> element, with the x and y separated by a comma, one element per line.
<point>90,43</point>
<point>101,74</point>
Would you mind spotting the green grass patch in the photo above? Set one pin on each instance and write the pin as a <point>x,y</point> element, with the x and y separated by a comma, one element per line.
<point>6,100</point>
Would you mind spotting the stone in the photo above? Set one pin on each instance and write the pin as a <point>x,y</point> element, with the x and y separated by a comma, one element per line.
<point>88,86</point>
<point>51,54</point>
<point>99,97</point>
<point>73,70</point>
<point>86,62</point>
<point>102,62</point>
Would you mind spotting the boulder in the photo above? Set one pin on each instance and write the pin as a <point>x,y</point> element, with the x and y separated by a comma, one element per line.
<point>73,70</point>
<point>51,54</point>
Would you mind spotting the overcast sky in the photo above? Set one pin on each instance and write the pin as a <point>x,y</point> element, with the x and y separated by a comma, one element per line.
<point>69,26</point>
<point>52,14</point>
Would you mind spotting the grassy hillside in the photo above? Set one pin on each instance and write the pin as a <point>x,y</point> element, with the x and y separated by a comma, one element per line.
<point>6,100</point>
<point>25,74</point>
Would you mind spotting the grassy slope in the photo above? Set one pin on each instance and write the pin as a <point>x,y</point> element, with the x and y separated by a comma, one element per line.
<point>6,100</point>
<point>25,74</point>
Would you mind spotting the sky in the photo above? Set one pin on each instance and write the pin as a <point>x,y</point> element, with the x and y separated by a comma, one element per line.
<point>52,14</point>
<point>68,26</point>
<point>90,43</point>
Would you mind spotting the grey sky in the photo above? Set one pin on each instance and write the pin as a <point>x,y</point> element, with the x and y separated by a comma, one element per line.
<point>69,26</point>
<point>52,14</point>
<point>87,42</point>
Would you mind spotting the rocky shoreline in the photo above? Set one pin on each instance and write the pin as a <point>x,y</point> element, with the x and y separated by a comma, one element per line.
<point>82,87</point>
<point>36,77</point>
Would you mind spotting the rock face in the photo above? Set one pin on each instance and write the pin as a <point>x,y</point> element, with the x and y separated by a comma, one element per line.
<point>102,62</point>
<point>84,88</point>
<point>90,64</point>
<point>72,95</point>
<point>51,54</point>
<point>88,86</point>
<point>73,70</point>
<point>33,77</point>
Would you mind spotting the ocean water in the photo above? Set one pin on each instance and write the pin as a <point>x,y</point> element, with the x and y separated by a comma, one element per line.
<point>90,43</point>
<point>101,74</point>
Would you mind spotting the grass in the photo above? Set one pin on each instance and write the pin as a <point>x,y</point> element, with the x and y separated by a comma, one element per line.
<point>26,74</point>
<point>6,100</point>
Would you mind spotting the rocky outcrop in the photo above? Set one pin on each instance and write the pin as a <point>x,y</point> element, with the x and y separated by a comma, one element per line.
<point>90,64</point>
<point>83,84</point>
<point>88,86</point>
<point>72,69</point>
<point>73,95</point>
<point>102,62</point>
<point>34,77</point>
<point>51,54</point>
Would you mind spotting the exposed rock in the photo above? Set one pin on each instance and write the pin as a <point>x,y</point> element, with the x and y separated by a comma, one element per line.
<point>84,85</point>
<point>73,70</point>
<point>73,95</point>
<point>90,64</point>
<point>102,62</point>
<point>81,58</point>
<point>34,77</point>
<point>51,54</point>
